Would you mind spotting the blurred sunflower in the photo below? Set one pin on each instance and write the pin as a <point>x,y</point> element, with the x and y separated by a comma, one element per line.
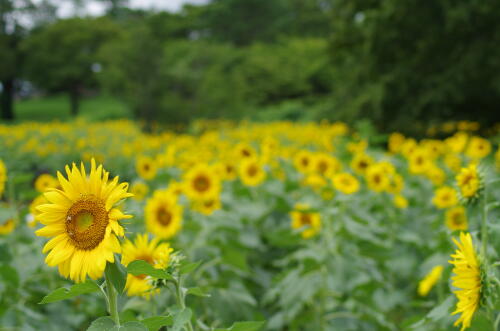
<point>467,279</point>
<point>456,218</point>
<point>146,167</point>
<point>153,252</point>
<point>303,161</point>
<point>3,177</point>
<point>251,172</point>
<point>307,221</point>
<point>243,151</point>
<point>163,214</point>
<point>44,182</point>
<point>376,178</point>
<point>361,162</point>
<point>428,282</point>
<point>445,197</point>
<point>478,148</point>
<point>396,184</point>
<point>345,183</point>
<point>82,221</point>
<point>139,190</point>
<point>400,201</point>
<point>469,181</point>
<point>207,207</point>
<point>7,227</point>
<point>419,161</point>
<point>396,141</point>
<point>201,182</point>
<point>325,165</point>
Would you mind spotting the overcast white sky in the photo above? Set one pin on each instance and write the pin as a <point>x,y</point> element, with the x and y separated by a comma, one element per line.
<point>97,8</point>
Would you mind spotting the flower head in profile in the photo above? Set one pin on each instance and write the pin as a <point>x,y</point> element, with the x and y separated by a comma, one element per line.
<point>467,279</point>
<point>153,252</point>
<point>469,182</point>
<point>309,222</point>
<point>82,222</point>
<point>163,214</point>
<point>345,183</point>
<point>428,282</point>
<point>7,227</point>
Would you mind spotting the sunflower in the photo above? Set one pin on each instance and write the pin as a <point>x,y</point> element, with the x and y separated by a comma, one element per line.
<point>44,182</point>
<point>361,162</point>
<point>7,227</point>
<point>303,161</point>
<point>428,282</point>
<point>207,207</point>
<point>139,190</point>
<point>163,214</point>
<point>419,161</point>
<point>308,222</point>
<point>345,183</point>
<point>469,181</point>
<point>478,148</point>
<point>82,221</point>
<point>244,150</point>
<point>400,201</point>
<point>396,184</point>
<point>153,252</point>
<point>201,182</point>
<point>3,177</point>
<point>467,279</point>
<point>226,170</point>
<point>396,141</point>
<point>456,218</point>
<point>453,162</point>
<point>146,167</point>
<point>377,178</point>
<point>325,165</point>
<point>435,174</point>
<point>315,181</point>
<point>251,172</point>
<point>445,197</point>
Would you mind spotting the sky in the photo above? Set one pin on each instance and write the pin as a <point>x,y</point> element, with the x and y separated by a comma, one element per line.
<point>97,8</point>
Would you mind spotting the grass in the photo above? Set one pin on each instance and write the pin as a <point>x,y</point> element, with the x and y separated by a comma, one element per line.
<point>57,107</point>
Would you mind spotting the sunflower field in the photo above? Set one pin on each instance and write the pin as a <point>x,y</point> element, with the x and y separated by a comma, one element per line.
<point>248,226</point>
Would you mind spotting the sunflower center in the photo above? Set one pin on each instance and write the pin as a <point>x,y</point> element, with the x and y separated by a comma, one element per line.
<point>252,170</point>
<point>201,183</point>
<point>164,216</point>
<point>467,179</point>
<point>322,167</point>
<point>363,164</point>
<point>305,161</point>
<point>305,219</point>
<point>86,222</point>
<point>377,179</point>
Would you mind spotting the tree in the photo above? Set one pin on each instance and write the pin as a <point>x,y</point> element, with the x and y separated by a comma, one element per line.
<point>63,55</point>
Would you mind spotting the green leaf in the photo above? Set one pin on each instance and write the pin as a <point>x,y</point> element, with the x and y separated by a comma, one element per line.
<point>181,318</point>
<point>189,267</point>
<point>63,293</point>
<point>244,326</point>
<point>141,267</point>
<point>106,323</point>
<point>156,322</point>
<point>117,274</point>
<point>130,326</point>
<point>442,310</point>
<point>9,275</point>
<point>197,292</point>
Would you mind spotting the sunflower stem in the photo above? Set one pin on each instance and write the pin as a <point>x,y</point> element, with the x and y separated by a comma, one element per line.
<point>112,302</point>
<point>497,322</point>
<point>181,299</point>
<point>484,226</point>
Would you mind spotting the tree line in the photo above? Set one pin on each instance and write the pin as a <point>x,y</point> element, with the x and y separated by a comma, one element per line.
<point>394,62</point>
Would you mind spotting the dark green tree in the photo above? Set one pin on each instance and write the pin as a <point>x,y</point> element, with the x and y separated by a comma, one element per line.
<point>63,56</point>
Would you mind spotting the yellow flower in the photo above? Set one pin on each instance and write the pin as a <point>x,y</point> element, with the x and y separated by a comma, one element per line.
<point>201,182</point>
<point>38,201</point>
<point>497,159</point>
<point>308,222</point>
<point>361,162</point>
<point>303,161</point>
<point>396,184</point>
<point>377,179</point>
<point>153,252</point>
<point>244,150</point>
<point>3,177</point>
<point>251,172</point>
<point>400,201</point>
<point>7,227</point>
<point>468,181</point>
<point>467,279</point>
<point>478,148</point>
<point>44,182</point>
<point>145,167</point>
<point>396,141</point>
<point>324,164</point>
<point>445,197</point>
<point>456,218</point>
<point>457,142</point>
<point>207,207</point>
<point>419,161</point>
<point>453,162</point>
<point>163,214</point>
<point>346,183</point>
<point>226,170</point>
<point>428,282</point>
<point>435,174</point>
<point>139,190</point>
<point>82,222</point>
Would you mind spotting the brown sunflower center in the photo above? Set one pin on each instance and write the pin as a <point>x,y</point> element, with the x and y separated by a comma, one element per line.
<point>377,179</point>
<point>322,167</point>
<point>201,183</point>
<point>164,216</point>
<point>363,164</point>
<point>252,170</point>
<point>305,219</point>
<point>86,222</point>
